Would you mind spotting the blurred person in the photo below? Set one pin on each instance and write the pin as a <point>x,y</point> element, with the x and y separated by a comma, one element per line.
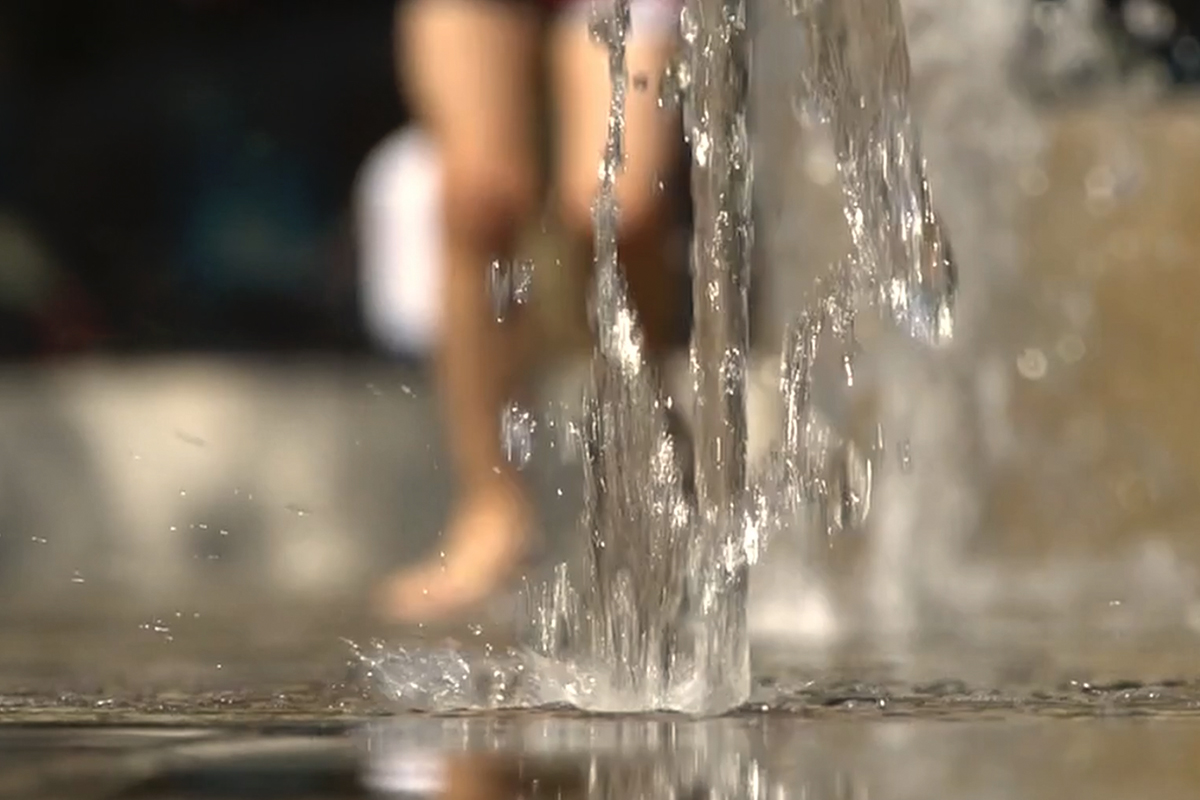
<point>470,68</point>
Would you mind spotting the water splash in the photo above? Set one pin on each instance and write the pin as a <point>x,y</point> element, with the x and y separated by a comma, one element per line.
<point>654,614</point>
<point>856,78</point>
<point>881,422</point>
<point>898,270</point>
<point>510,283</point>
<point>518,426</point>
<point>878,374</point>
<point>715,123</point>
<point>658,620</point>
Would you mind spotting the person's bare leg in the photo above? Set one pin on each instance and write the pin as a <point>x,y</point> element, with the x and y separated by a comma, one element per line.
<point>653,138</point>
<point>470,66</point>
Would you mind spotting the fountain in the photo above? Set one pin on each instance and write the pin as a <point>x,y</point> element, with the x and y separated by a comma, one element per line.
<point>660,619</point>
<point>666,581</point>
<point>943,408</point>
<point>654,616</point>
<point>895,377</point>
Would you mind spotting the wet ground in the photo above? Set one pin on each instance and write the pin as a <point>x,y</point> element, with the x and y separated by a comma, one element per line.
<point>122,711</point>
<point>141,715</point>
<point>844,756</point>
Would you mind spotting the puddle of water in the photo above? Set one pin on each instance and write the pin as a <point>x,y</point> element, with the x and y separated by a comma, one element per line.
<point>771,757</point>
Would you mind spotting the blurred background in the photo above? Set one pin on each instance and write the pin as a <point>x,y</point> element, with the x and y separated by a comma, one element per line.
<point>210,403</point>
<point>177,176</point>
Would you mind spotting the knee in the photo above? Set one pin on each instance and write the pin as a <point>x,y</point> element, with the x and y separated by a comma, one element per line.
<point>642,208</point>
<point>486,203</point>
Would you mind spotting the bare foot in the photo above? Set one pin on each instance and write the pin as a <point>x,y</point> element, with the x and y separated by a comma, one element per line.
<point>489,538</point>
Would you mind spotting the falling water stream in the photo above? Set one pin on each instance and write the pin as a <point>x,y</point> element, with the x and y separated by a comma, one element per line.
<point>890,379</point>
<point>654,615</point>
<point>661,619</point>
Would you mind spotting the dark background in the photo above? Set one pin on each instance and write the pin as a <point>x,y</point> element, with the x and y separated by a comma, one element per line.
<point>184,168</point>
<point>177,174</point>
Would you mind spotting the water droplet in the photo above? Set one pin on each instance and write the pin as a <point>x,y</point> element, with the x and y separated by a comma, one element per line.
<point>522,282</point>
<point>701,146</point>
<point>1032,364</point>
<point>689,25</point>
<point>77,577</point>
<point>518,426</point>
<point>500,288</point>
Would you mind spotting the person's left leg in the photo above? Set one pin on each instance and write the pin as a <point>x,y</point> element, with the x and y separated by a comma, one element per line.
<point>471,70</point>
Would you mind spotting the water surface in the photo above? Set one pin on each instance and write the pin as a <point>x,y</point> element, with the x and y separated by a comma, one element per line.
<point>778,756</point>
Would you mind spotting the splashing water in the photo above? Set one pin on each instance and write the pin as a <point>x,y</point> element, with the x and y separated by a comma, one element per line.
<point>659,621</point>
<point>898,271</point>
<point>883,373</point>
<point>936,376</point>
<point>876,372</point>
<point>655,614</point>
<point>509,283</point>
<point>980,133</point>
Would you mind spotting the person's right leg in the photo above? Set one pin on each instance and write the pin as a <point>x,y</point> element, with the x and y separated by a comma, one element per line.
<point>653,138</point>
<point>470,66</point>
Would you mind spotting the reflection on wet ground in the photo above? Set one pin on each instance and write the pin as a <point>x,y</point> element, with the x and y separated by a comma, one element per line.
<point>198,717</point>
<point>528,755</point>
